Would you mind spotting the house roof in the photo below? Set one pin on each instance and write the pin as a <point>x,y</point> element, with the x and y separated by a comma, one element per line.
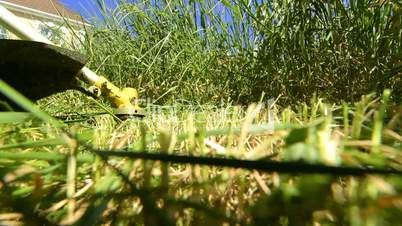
<point>47,6</point>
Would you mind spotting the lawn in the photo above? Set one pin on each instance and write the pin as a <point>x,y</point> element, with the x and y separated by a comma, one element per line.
<point>257,113</point>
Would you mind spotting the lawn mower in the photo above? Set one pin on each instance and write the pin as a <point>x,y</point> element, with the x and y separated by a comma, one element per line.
<point>37,68</point>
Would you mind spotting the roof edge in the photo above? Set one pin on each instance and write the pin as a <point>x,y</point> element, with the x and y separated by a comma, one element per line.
<point>41,14</point>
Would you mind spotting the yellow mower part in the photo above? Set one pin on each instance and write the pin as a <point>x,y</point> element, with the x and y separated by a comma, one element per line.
<point>125,100</point>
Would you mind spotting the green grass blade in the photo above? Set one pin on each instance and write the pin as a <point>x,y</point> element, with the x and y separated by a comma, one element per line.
<point>14,117</point>
<point>32,144</point>
<point>43,155</point>
<point>26,104</point>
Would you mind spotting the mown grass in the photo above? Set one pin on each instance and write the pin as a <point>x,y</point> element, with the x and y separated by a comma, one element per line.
<point>52,174</point>
<point>194,66</point>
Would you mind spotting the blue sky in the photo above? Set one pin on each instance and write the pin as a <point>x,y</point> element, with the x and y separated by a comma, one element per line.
<point>85,7</point>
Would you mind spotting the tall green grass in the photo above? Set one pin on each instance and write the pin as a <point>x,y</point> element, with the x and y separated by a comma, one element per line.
<point>211,51</point>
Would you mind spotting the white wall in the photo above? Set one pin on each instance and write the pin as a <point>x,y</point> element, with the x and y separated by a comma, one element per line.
<point>58,32</point>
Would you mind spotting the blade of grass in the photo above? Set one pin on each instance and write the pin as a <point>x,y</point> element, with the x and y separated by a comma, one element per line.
<point>14,117</point>
<point>33,144</point>
<point>26,104</point>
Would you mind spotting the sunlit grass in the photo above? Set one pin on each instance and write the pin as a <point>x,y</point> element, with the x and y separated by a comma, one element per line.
<point>231,51</point>
<point>59,163</point>
<point>55,172</point>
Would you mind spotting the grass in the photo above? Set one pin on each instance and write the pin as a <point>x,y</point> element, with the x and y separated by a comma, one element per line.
<point>326,150</point>
<point>233,51</point>
<point>70,173</point>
